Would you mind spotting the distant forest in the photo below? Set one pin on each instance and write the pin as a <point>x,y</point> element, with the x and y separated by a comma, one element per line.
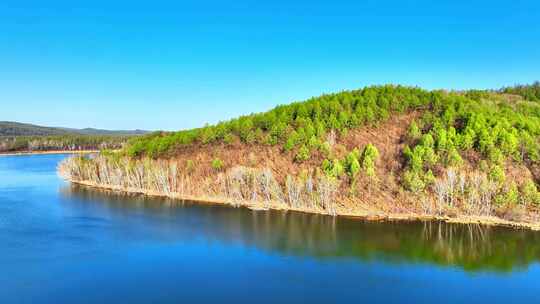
<point>8,128</point>
<point>16,137</point>
<point>530,92</point>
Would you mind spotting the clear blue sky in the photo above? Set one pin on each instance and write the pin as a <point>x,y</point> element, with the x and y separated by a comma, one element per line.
<point>179,64</point>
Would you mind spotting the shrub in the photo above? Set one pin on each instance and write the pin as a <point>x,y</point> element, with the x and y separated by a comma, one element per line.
<point>453,158</point>
<point>414,133</point>
<point>271,140</point>
<point>327,167</point>
<point>427,141</point>
<point>369,157</point>
<point>303,154</point>
<point>530,194</point>
<point>441,139</point>
<point>228,138</point>
<point>415,158</point>
<point>352,164</point>
<point>508,143</point>
<point>496,174</point>
<point>430,156</point>
<point>217,164</point>
<point>325,149</point>
<point>496,156</point>
<point>429,178</point>
<point>530,147</point>
<point>291,141</point>
<point>354,168</point>
<point>337,168</point>
<point>314,142</point>
<point>412,181</point>
<point>466,140</point>
<point>510,195</point>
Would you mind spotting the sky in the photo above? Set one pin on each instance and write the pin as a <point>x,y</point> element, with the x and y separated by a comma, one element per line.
<point>174,65</point>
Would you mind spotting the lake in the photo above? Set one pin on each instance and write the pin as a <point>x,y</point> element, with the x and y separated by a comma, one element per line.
<point>67,244</point>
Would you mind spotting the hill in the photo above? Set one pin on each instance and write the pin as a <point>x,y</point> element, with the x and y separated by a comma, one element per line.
<point>383,151</point>
<point>21,137</point>
<point>8,128</point>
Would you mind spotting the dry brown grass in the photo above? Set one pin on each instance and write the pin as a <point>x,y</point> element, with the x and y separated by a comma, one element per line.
<point>386,136</point>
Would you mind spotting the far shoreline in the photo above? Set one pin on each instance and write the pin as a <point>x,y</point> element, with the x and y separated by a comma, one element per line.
<point>20,153</point>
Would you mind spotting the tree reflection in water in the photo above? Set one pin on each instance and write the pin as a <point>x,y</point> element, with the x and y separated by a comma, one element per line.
<point>467,246</point>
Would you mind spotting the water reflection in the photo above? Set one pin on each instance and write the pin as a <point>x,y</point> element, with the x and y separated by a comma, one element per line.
<point>470,247</point>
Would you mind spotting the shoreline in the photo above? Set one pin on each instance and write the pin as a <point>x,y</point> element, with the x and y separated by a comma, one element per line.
<point>368,216</point>
<point>48,152</point>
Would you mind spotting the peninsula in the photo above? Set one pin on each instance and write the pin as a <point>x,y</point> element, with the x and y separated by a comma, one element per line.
<point>378,152</point>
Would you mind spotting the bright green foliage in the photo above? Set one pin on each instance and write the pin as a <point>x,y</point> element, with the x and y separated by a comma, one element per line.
<point>427,140</point>
<point>327,167</point>
<point>337,168</point>
<point>352,164</point>
<point>530,148</point>
<point>529,193</point>
<point>354,168</point>
<point>441,139</point>
<point>369,157</point>
<point>495,156</point>
<point>314,117</point>
<point>303,154</point>
<point>453,158</point>
<point>418,174</point>
<point>415,158</point>
<point>314,142</point>
<point>482,121</point>
<point>466,140</point>
<point>510,195</point>
<point>217,164</point>
<point>429,156</point>
<point>429,178</point>
<point>413,181</point>
<point>228,138</point>
<point>325,149</point>
<point>414,132</point>
<point>496,174</point>
<point>291,141</point>
<point>333,168</point>
<point>508,142</point>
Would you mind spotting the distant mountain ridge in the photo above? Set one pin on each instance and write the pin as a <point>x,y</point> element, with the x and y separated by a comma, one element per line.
<point>10,128</point>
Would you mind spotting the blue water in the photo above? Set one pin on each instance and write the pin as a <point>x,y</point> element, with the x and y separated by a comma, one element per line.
<point>67,244</point>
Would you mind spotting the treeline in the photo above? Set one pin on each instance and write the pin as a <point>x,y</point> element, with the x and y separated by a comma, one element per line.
<point>528,91</point>
<point>301,126</point>
<point>61,143</point>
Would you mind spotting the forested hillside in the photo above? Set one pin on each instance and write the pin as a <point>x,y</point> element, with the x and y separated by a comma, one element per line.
<point>20,137</point>
<point>68,142</point>
<point>9,128</point>
<point>378,150</point>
